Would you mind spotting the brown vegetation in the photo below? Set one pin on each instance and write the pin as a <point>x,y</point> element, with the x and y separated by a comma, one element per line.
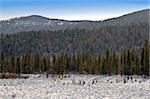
<point>11,76</point>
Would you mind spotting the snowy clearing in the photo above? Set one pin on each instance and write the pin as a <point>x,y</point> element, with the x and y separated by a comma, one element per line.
<point>75,87</point>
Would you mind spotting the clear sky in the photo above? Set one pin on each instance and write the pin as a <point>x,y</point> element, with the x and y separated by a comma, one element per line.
<point>70,9</point>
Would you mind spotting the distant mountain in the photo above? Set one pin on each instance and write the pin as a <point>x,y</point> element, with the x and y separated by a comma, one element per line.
<point>132,18</point>
<point>38,23</point>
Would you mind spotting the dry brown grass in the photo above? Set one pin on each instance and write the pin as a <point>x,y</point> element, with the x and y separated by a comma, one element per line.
<point>11,76</point>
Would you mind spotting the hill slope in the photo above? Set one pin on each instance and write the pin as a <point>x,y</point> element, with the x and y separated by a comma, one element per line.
<point>36,23</point>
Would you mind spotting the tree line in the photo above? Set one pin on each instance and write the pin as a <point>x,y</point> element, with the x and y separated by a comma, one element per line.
<point>128,62</point>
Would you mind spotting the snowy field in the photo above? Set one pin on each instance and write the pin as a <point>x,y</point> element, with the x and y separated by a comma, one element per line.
<point>75,87</point>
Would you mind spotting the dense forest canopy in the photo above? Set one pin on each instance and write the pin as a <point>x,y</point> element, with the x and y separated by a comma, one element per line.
<point>91,41</point>
<point>129,62</point>
<point>107,50</point>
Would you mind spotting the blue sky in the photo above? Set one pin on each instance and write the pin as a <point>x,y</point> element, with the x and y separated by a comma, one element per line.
<point>70,9</point>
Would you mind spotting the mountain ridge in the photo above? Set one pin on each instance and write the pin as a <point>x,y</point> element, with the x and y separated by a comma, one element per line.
<point>34,15</point>
<point>38,23</point>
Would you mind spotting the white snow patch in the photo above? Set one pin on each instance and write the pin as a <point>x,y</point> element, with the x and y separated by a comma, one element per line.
<point>60,23</point>
<point>75,87</point>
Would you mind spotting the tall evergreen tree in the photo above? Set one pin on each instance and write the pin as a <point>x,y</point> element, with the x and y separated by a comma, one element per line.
<point>146,58</point>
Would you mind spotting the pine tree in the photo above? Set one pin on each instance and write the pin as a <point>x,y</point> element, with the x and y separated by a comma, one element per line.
<point>99,62</point>
<point>107,66</point>
<point>115,61</point>
<point>128,62</point>
<point>13,64</point>
<point>18,65</point>
<point>54,61</point>
<point>2,61</point>
<point>28,62</point>
<point>13,59</point>
<point>36,63</point>
<point>103,66</point>
<point>146,59</point>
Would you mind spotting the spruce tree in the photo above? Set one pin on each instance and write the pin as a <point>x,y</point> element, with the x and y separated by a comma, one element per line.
<point>146,58</point>
<point>2,61</point>
<point>18,64</point>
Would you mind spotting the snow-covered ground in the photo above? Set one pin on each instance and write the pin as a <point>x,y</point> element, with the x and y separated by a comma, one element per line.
<point>75,87</point>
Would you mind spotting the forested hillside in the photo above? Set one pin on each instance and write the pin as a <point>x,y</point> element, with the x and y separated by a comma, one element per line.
<point>96,41</point>
<point>117,46</point>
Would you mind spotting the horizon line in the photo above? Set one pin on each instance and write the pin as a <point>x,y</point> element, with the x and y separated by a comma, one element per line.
<point>62,19</point>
